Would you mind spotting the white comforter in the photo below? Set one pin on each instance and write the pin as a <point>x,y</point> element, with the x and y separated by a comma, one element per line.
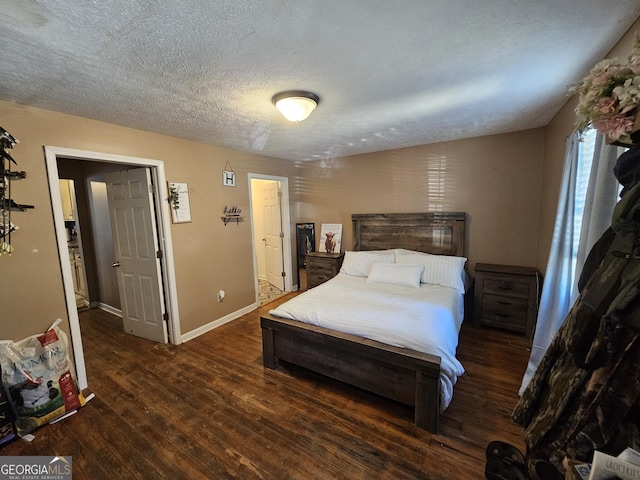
<point>426,319</point>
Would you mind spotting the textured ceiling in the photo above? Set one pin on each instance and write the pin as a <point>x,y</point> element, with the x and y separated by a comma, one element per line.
<point>390,74</point>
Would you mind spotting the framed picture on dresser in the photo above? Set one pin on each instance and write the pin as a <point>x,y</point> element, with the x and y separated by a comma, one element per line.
<point>305,241</point>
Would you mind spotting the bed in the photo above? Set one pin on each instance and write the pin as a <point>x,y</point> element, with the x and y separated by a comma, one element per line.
<point>397,364</point>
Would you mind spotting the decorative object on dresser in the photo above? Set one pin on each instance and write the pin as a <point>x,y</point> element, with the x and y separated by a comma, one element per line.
<point>421,379</point>
<point>322,266</point>
<point>305,241</point>
<point>507,297</point>
<point>330,238</point>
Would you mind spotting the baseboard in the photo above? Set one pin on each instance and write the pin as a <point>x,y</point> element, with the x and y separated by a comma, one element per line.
<point>109,309</point>
<point>217,323</point>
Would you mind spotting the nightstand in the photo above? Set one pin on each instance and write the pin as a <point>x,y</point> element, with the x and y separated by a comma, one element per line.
<point>322,266</point>
<point>507,297</point>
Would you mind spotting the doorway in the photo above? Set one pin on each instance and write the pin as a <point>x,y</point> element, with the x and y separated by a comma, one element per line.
<point>168,285</point>
<point>271,233</point>
<point>74,241</point>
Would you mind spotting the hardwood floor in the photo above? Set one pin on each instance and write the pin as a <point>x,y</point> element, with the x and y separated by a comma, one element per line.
<point>208,409</point>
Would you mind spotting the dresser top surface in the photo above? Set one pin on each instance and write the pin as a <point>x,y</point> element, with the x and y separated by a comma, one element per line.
<point>325,255</point>
<point>506,269</point>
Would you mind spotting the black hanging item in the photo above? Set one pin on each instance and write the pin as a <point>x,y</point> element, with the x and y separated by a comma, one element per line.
<point>7,204</point>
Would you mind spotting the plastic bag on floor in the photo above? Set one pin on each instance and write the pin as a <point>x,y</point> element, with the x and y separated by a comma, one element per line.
<point>38,377</point>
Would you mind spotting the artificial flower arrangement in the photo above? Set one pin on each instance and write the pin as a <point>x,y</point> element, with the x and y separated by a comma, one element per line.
<point>609,97</point>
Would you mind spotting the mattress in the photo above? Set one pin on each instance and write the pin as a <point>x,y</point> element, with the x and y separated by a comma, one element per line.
<point>425,319</point>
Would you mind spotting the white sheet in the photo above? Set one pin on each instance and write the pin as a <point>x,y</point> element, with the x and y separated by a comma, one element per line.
<point>426,319</point>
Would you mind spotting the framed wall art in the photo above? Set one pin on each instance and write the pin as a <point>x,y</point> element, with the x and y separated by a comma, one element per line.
<point>179,202</point>
<point>330,237</point>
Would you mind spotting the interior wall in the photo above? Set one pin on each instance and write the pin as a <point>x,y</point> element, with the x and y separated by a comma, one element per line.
<point>495,179</point>
<point>557,132</point>
<point>205,251</point>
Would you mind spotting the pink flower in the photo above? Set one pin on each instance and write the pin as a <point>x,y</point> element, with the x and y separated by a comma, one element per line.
<point>614,127</point>
<point>609,95</point>
<point>606,106</point>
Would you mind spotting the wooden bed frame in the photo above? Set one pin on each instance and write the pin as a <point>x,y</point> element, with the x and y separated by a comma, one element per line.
<point>403,375</point>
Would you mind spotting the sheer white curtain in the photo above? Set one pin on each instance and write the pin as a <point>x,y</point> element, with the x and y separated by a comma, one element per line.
<point>588,194</point>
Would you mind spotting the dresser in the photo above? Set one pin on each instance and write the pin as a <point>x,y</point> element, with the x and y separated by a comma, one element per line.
<point>322,266</point>
<point>507,297</point>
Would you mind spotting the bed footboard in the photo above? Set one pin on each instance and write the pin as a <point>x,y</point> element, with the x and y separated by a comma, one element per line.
<point>403,375</point>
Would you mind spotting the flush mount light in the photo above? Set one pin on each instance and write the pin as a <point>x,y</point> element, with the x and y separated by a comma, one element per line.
<point>296,105</point>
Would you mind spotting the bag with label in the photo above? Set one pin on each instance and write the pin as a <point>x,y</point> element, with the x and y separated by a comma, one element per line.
<point>38,376</point>
<point>7,425</point>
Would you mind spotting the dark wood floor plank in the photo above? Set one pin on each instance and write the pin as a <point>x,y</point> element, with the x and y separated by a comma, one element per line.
<point>208,409</point>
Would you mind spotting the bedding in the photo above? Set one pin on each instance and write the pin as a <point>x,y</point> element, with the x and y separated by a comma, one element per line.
<point>426,318</point>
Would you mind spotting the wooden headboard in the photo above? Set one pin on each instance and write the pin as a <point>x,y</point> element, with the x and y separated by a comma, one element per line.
<point>441,233</point>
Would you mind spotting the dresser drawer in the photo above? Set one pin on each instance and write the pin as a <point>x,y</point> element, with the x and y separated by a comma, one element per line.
<point>506,287</point>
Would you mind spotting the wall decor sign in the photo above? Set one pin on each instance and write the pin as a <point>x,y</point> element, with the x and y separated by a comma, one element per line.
<point>179,202</point>
<point>228,176</point>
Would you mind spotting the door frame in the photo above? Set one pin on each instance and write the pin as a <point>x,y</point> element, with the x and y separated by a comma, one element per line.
<point>286,230</point>
<point>166,244</point>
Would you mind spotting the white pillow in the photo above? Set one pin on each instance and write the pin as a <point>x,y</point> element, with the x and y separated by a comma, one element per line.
<point>395,274</point>
<point>444,270</point>
<point>359,263</point>
<point>404,251</point>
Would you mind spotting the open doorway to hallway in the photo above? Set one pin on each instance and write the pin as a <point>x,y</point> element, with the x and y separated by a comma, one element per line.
<point>271,236</point>
<point>156,169</point>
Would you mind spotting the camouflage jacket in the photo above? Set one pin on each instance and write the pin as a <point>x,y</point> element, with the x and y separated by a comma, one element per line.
<point>584,394</point>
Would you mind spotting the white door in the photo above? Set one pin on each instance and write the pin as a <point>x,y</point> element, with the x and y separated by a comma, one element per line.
<point>273,234</point>
<point>135,244</point>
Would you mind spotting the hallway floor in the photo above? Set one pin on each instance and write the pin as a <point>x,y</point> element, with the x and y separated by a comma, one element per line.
<point>267,293</point>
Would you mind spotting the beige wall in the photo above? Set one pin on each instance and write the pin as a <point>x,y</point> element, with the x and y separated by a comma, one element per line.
<point>556,134</point>
<point>208,256</point>
<point>496,179</point>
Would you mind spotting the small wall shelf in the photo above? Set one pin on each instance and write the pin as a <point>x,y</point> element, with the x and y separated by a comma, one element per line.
<point>230,214</point>
<point>230,218</point>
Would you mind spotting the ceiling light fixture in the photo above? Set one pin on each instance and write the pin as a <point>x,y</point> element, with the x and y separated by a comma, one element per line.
<point>296,105</point>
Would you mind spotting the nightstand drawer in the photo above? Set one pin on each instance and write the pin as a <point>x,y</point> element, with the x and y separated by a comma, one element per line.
<point>499,303</point>
<point>504,310</point>
<point>323,273</point>
<point>507,287</point>
<point>515,323</point>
